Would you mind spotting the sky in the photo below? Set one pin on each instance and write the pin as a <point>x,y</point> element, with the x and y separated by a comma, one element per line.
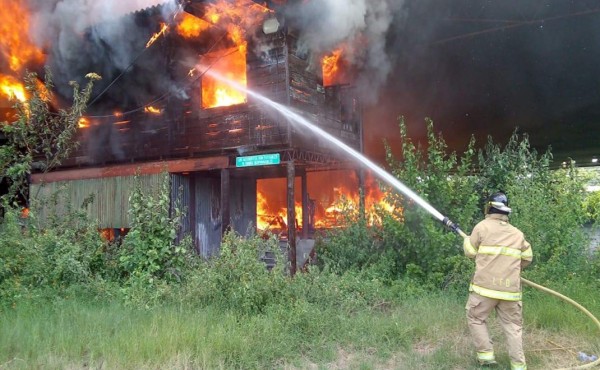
<point>489,67</point>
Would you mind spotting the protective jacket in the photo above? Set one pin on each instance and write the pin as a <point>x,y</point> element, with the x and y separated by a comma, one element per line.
<point>500,252</point>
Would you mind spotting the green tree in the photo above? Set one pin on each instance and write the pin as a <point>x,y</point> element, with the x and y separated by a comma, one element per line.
<point>443,179</point>
<point>149,252</point>
<point>547,205</point>
<point>42,136</point>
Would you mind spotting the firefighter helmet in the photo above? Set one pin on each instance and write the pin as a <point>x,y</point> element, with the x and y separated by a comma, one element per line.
<point>498,203</point>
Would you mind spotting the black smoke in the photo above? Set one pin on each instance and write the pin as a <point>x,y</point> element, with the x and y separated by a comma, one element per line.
<point>489,67</point>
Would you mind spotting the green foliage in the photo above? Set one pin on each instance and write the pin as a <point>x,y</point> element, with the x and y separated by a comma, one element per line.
<point>149,252</point>
<point>547,204</point>
<point>352,249</point>
<point>34,260</point>
<point>41,136</point>
<point>410,243</point>
<point>237,279</point>
<point>591,207</point>
<point>547,207</point>
<point>502,168</point>
<point>424,250</point>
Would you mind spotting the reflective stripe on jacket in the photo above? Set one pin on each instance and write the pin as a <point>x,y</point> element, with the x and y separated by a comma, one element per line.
<point>500,252</point>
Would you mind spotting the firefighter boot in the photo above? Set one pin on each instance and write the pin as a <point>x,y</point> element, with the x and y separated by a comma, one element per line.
<point>487,363</point>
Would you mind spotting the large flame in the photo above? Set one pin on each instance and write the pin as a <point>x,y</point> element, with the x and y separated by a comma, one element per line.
<point>331,67</point>
<point>231,64</point>
<point>15,46</point>
<point>16,49</point>
<point>236,18</point>
<point>11,88</point>
<point>190,26</point>
<point>331,196</point>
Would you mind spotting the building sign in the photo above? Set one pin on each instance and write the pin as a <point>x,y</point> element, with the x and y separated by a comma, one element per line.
<point>258,160</point>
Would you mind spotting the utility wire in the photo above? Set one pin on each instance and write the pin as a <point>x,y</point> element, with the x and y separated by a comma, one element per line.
<point>513,25</point>
<point>175,13</point>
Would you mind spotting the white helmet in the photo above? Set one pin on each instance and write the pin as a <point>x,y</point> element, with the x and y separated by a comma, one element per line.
<point>499,202</point>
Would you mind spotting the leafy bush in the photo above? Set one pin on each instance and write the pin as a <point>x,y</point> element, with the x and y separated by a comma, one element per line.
<point>411,243</point>
<point>546,203</point>
<point>547,207</point>
<point>352,249</point>
<point>149,252</point>
<point>39,134</point>
<point>591,207</point>
<point>238,279</point>
<point>33,259</point>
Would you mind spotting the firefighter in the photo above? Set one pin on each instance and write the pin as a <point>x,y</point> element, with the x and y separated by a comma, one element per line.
<point>500,252</point>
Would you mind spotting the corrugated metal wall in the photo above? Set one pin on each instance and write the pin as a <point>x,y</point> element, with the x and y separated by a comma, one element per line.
<point>198,194</point>
<point>110,204</point>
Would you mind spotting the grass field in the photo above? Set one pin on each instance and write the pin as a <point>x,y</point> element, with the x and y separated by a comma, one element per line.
<point>426,332</point>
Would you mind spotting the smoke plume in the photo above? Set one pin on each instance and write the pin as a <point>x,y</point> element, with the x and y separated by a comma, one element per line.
<point>84,36</point>
<point>358,26</point>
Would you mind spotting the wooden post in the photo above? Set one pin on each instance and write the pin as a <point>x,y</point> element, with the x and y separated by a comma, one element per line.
<point>304,204</point>
<point>225,214</point>
<point>291,216</point>
<point>192,210</point>
<point>361,188</point>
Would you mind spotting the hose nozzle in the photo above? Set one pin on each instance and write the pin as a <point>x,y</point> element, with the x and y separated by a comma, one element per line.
<point>452,226</point>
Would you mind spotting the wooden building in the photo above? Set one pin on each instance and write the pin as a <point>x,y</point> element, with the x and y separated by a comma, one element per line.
<point>209,152</point>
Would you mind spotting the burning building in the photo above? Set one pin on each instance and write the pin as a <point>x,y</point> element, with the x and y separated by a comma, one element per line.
<point>168,106</point>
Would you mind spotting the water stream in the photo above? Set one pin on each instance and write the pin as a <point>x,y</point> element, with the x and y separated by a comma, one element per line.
<point>297,119</point>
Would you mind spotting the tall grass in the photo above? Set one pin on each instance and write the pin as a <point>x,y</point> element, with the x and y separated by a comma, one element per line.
<point>427,332</point>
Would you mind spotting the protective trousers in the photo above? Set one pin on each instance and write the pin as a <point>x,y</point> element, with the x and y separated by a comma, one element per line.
<point>511,319</point>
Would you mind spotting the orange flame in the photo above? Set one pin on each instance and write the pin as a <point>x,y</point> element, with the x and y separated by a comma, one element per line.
<point>331,199</point>
<point>190,26</point>
<point>15,46</point>
<point>12,89</point>
<point>237,18</point>
<point>16,49</point>
<point>331,67</point>
<point>163,29</point>
<point>152,110</point>
<point>231,64</point>
<point>83,122</point>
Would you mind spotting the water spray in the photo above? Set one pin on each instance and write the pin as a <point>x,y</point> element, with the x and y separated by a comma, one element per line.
<point>390,179</point>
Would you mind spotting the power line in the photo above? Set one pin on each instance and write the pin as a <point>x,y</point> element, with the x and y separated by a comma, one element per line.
<point>511,25</point>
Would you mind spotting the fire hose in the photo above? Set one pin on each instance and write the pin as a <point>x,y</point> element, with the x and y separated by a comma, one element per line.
<point>455,228</point>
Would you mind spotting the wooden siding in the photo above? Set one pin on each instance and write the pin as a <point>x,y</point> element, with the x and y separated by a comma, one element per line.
<point>148,168</point>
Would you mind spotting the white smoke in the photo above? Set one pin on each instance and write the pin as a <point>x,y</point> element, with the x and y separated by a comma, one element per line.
<point>361,25</point>
<point>78,15</point>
